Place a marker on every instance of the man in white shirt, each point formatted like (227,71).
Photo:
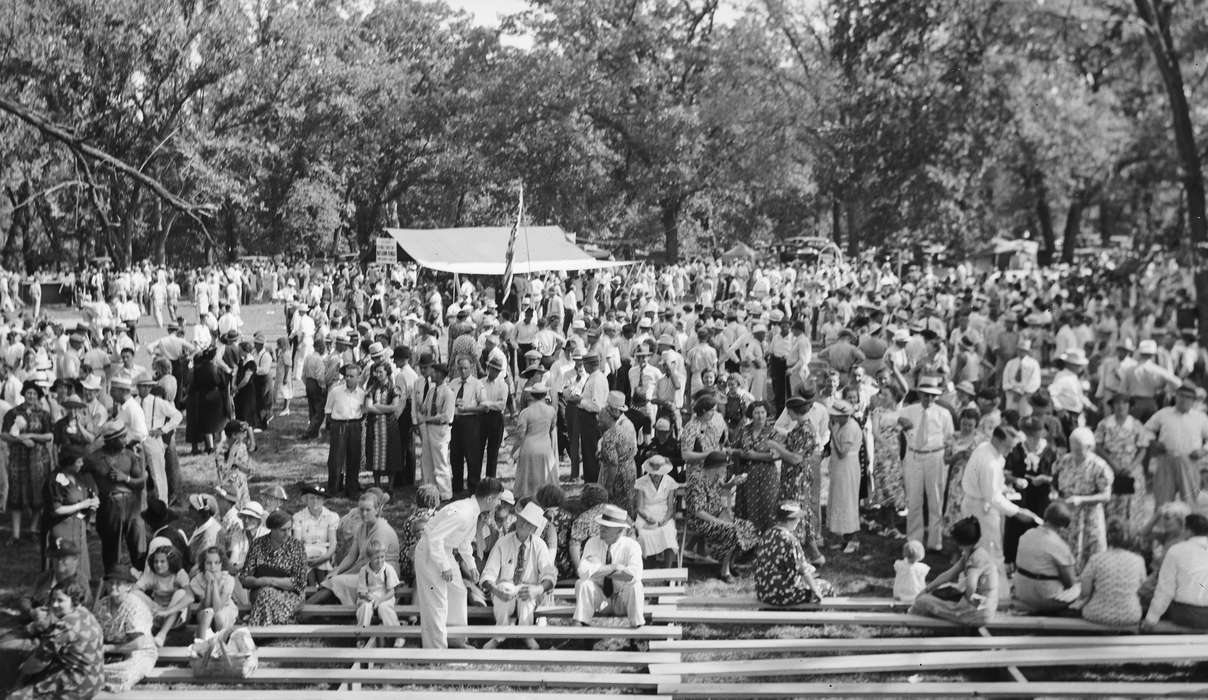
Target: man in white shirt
(465,446)
(1181,595)
(610,572)
(493,395)
(440,592)
(519,572)
(591,402)
(1180,437)
(984,487)
(162,418)
(432,414)
(928,430)
(1068,394)
(1021,378)
(344,410)
(129,412)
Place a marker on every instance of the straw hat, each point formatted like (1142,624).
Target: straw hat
(612,516)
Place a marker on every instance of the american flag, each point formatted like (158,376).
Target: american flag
(511,254)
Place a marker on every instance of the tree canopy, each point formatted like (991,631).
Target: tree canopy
(200,130)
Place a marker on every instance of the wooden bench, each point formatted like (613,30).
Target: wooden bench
(667,577)
(260,694)
(882,619)
(646,632)
(868,645)
(308,656)
(935,690)
(939,661)
(409,676)
(753,603)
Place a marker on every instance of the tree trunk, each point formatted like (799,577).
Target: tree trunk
(670,208)
(18,230)
(1073,227)
(1107,221)
(850,210)
(836,220)
(1156,15)
(1044,217)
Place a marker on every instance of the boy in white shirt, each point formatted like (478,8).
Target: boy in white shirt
(519,572)
(376,582)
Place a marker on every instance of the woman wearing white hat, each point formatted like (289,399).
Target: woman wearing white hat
(653,502)
(617,449)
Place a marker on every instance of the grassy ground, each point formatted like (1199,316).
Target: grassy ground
(283,458)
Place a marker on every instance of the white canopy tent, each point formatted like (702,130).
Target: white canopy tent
(483,250)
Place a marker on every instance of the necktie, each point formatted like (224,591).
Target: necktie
(433,400)
(461,389)
(519,572)
(606,585)
(922,436)
(1019,371)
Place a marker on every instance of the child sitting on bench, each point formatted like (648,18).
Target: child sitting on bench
(376,582)
(519,571)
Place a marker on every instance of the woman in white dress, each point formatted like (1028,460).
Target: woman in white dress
(843,503)
(654,508)
(536,460)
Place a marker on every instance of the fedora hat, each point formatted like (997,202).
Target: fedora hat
(120,382)
(532,514)
(114,432)
(495,363)
(928,385)
(539,388)
(1074,356)
(840,408)
(1147,347)
(144,377)
(74,401)
(612,516)
(252,510)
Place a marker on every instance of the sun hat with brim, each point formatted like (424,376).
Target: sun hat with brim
(1074,356)
(840,408)
(74,401)
(1147,347)
(495,363)
(252,510)
(533,355)
(929,388)
(231,336)
(716,459)
(114,431)
(657,466)
(120,382)
(376,350)
(91,383)
(966,387)
(533,515)
(313,490)
(144,378)
(612,516)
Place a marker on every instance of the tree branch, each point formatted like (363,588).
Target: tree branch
(83,150)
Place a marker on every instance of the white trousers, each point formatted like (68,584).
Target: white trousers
(434,458)
(923,477)
(153,451)
(441,603)
(384,608)
(627,601)
(522,610)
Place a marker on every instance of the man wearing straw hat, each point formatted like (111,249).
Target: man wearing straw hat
(610,572)
(519,572)
(120,479)
(162,418)
(928,430)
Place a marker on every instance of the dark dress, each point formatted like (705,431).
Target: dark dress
(273,606)
(383,443)
(73,648)
(721,538)
(760,495)
(561,521)
(65,489)
(1020,464)
(797,480)
(28,467)
(208,406)
(247,403)
(779,568)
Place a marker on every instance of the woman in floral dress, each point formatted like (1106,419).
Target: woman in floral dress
(593,498)
(888,492)
(127,624)
(796,451)
(1121,440)
(1084,481)
(711,515)
(967,438)
(68,661)
(759,496)
(783,575)
(383,445)
(27,430)
(616,450)
(703,433)
(427,500)
(275,573)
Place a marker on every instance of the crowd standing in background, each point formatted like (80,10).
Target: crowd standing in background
(1050,422)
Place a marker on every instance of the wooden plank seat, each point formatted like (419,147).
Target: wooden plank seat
(432,676)
(753,603)
(649,577)
(938,661)
(561,632)
(305,656)
(936,690)
(678,615)
(262,694)
(868,645)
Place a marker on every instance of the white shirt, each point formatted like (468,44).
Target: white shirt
(983,482)
(160,414)
(452,528)
(595,392)
(1179,433)
(939,429)
(1030,381)
(1183,577)
(539,563)
(345,404)
(626,556)
(1067,393)
(130,413)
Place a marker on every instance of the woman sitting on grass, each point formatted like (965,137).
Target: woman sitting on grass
(967,593)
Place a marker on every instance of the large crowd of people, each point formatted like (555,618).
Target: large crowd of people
(1048,425)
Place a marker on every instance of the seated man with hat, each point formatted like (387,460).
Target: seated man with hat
(610,572)
(519,571)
